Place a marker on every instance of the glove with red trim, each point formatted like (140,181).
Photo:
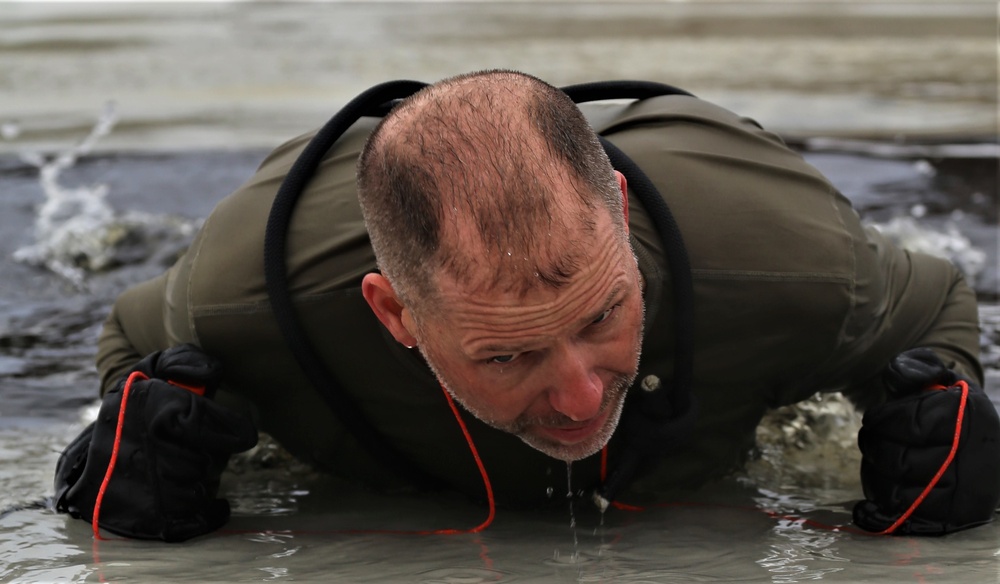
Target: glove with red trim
(173,443)
(906,442)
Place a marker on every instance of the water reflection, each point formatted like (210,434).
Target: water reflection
(800,550)
(270,537)
(266,481)
(797,558)
(275,573)
(576,558)
(274,568)
(34,547)
(461,576)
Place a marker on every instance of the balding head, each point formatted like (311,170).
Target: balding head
(475,178)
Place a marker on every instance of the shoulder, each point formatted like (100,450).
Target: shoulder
(610,116)
(753,213)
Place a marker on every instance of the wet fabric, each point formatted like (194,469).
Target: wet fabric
(792,296)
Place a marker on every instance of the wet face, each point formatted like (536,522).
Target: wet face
(553,366)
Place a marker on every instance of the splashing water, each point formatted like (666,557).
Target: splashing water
(71,224)
(811,444)
(950,243)
(76,229)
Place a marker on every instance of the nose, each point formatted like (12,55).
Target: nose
(577,390)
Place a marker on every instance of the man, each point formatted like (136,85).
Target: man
(497,254)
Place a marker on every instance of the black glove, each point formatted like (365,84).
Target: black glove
(173,447)
(905,441)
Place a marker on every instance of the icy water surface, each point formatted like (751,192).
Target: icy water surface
(896,103)
(240,74)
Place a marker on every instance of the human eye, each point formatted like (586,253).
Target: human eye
(503,359)
(607,314)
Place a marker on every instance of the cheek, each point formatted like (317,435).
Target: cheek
(498,396)
(624,350)
(489,396)
(502,402)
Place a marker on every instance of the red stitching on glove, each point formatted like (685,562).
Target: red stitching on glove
(114,450)
(944,466)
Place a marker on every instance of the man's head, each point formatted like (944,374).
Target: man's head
(500,230)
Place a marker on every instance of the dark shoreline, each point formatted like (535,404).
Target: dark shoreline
(954,182)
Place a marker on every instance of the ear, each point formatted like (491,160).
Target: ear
(389,310)
(623,185)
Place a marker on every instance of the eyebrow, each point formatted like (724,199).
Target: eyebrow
(610,300)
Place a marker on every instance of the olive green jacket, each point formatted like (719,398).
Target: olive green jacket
(792,296)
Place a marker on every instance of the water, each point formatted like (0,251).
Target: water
(895,103)
(248,74)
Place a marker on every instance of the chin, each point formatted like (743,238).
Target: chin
(563,452)
(578,450)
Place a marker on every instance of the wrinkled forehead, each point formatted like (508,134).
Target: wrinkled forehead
(548,255)
(475,310)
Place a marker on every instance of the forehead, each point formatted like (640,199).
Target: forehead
(539,238)
(535,256)
(481,315)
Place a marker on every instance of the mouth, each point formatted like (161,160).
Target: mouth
(576,433)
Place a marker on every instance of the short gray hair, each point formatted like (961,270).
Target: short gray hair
(467,153)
